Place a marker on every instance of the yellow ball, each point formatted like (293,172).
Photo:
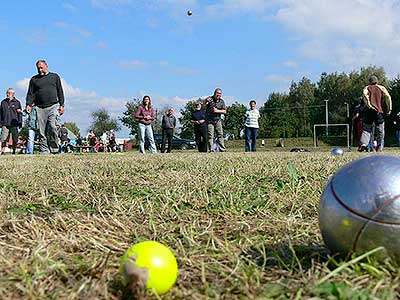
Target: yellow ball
(158,260)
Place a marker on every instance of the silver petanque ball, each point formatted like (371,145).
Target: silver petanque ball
(337,151)
(360,207)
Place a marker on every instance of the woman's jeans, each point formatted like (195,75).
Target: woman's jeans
(250,134)
(145,131)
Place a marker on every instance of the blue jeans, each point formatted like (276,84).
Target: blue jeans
(146,131)
(398,137)
(30,141)
(251,134)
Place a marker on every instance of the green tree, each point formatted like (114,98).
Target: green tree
(185,119)
(301,98)
(73,127)
(128,119)
(102,121)
(277,118)
(234,119)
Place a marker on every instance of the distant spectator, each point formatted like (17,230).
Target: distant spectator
(168,125)
(198,119)
(378,103)
(10,119)
(112,143)
(79,141)
(145,115)
(63,135)
(92,140)
(32,130)
(397,127)
(104,141)
(251,127)
(215,109)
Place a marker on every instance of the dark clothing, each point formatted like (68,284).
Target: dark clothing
(168,125)
(79,141)
(142,112)
(372,116)
(198,115)
(397,120)
(168,122)
(45,91)
(63,134)
(200,133)
(251,135)
(211,117)
(167,134)
(200,130)
(8,113)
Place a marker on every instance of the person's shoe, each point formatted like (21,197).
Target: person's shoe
(363,148)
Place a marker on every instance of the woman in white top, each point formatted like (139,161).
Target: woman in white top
(251,126)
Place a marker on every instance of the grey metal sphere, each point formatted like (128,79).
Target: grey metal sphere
(337,151)
(360,207)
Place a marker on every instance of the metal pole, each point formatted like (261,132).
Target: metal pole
(347,110)
(326,117)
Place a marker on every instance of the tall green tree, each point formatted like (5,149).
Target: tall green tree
(73,127)
(187,130)
(128,119)
(102,121)
(277,118)
(234,119)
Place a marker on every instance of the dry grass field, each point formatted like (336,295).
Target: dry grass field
(242,226)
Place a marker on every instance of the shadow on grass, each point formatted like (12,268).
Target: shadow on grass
(288,257)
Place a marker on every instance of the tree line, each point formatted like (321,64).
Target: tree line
(283,114)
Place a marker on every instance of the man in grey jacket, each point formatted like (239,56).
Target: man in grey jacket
(168,127)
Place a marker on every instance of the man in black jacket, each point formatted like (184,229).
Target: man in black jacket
(10,119)
(45,91)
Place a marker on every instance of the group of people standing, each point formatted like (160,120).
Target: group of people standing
(207,121)
(44,103)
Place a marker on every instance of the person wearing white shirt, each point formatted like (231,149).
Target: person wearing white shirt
(251,127)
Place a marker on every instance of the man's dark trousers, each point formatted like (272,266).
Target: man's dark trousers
(167,134)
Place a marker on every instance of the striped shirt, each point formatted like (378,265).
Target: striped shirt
(252,117)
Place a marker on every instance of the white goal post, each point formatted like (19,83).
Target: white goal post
(332,125)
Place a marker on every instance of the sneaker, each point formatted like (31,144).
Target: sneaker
(363,148)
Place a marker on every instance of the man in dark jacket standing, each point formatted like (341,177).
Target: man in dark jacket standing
(198,119)
(45,91)
(10,119)
(168,127)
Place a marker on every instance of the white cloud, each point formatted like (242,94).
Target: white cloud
(164,65)
(291,64)
(131,64)
(70,7)
(345,33)
(278,78)
(74,28)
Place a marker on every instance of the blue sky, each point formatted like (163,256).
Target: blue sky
(109,51)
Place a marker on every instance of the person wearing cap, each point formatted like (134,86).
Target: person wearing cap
(397,126)
(198,120)
(378,102)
